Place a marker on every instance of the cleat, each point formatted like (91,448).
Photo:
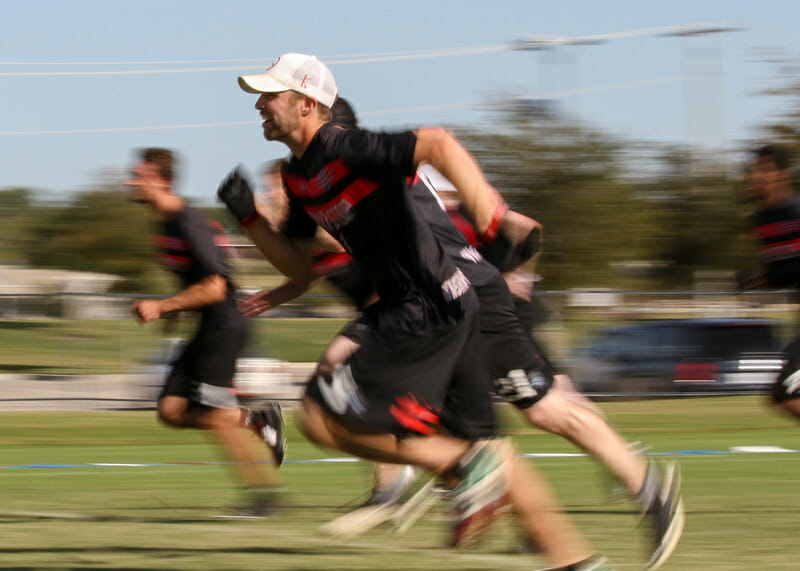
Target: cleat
(267,423)
(482,496)
(380,507)
(661,498)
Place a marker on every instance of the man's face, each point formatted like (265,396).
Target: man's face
(145,182)
(764,180)
(281,113)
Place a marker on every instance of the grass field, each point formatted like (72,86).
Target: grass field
(743,509)
(71,347)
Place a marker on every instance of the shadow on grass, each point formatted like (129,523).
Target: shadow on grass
(23,325)
(176,551)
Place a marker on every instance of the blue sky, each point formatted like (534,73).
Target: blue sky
(72,111)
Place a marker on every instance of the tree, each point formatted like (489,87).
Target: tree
(99,231)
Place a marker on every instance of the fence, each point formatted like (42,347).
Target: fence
(83,351)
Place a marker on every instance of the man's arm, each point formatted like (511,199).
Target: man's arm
(262,301)
(482,201)
(205,292)
(290,257)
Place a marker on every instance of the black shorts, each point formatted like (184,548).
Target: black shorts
(204,371)
(413,384)
(517,367)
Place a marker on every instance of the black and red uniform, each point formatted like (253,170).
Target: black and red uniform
(515,363)
(418,364)
(192,250)
(776,230)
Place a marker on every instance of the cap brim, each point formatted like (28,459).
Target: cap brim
(260,83)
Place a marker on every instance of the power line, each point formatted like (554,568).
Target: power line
(551,95)
(367,58)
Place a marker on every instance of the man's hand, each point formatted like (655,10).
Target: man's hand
(237,194)
(147,310)
(255,304)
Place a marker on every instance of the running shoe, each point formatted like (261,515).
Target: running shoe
(482,496)
(267,423)
(662,504)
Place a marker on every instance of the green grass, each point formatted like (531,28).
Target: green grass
(742,508)
(118,346)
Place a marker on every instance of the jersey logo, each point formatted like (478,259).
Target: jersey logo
(455,286)
(471,254)
(337,213)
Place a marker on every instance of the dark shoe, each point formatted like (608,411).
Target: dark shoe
(267,423)
(662,504)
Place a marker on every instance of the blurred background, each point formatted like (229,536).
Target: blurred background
(623,128)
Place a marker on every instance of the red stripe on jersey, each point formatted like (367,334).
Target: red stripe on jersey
(777,228)
(170,243)
(335,209)
(780,249)
(464,226)
(175,261)
(330,261)
(325,179)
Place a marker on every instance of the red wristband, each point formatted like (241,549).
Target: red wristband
(250,219)
(494,225)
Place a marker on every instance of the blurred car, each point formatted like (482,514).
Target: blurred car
(680,355)
(258,374)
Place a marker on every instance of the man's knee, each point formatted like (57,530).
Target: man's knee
(557,414)
(171,410)
(311,421)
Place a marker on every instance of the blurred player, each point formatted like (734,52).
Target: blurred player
(414,392)
(776,228)
(198,392)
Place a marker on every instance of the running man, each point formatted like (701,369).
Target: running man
(198,392)
(517,365)
(414,392)
(775,226)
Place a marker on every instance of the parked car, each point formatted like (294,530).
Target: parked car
(678,355)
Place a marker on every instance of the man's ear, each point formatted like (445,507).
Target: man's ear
(308,106)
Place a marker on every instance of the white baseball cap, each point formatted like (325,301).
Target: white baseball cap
(297,72)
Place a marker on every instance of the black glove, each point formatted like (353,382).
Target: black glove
(506,256)
(237,194)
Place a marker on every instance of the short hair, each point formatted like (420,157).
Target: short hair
(778,155)
(165,161)
(323,112)
(342,113)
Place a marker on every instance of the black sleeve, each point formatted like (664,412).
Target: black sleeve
(379,156)
(208,258)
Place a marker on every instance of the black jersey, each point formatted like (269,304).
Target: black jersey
(352,184)
(348,276)
(188,247)
(777,231)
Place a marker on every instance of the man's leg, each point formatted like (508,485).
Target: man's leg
(560,415)
(259,480)
(792,406)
